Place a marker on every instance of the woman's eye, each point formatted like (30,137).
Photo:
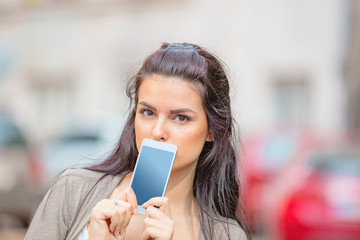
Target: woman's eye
(147,113)
(182,118)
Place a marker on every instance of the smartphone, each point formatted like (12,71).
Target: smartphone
(152,171)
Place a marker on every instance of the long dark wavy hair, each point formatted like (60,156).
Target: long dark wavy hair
(216,186)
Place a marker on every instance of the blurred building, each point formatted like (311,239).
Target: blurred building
(63,64)
(352,70)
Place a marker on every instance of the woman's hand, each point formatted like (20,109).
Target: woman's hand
(158,223)
(110,217)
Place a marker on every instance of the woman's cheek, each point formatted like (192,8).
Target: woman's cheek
(190,147)
(141,132)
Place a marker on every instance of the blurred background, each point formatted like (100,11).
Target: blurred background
(295,76)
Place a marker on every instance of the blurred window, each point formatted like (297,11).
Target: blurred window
(341,163)
(279,150)
(10,134)
(80,138)
(291,99)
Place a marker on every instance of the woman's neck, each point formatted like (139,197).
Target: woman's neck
(180,190)
(183,205)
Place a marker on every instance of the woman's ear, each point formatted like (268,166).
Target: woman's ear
(209,137)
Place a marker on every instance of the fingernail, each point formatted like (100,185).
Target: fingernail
(117,233)
(122,232)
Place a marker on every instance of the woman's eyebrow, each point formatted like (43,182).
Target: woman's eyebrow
(182,110)
(147,105)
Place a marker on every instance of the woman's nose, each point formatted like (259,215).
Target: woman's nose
(159,132)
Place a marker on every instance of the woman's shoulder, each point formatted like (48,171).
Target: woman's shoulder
(80,173)
(226,228)
(84,178)
(71,197)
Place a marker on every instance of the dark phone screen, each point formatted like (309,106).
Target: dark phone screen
(151,173)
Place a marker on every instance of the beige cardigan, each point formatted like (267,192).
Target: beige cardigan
(66,208)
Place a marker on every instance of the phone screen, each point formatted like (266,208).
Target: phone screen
(152,173)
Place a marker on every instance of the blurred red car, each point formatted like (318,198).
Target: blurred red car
(263,157)
(317,196)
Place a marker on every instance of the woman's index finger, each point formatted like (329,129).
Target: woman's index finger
(159,202)
(128,195)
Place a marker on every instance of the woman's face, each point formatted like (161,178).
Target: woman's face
(170,110)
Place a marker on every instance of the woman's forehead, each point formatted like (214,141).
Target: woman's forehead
(177,91)
(172,82)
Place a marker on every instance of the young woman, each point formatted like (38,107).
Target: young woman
(180,96)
